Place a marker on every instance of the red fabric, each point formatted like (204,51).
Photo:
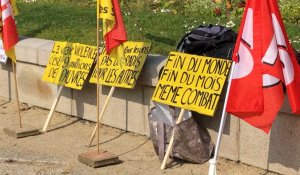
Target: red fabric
(262,66)
(246,95)
(292,68)
(117,35)
(9,30)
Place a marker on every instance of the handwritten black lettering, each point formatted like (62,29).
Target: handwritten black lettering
(200,98)
(168,92)
(133,60)
(194,81)
(194,64)
(187,78)
(73,77)
(216,66)
(144,50)
(85,51)
(106,60)
(53,72)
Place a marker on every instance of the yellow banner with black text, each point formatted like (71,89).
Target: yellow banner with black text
(192,82)
(111,74)
(69,64)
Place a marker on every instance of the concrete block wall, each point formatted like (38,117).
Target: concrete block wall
(128,110)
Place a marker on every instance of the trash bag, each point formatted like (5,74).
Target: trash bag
(192,143)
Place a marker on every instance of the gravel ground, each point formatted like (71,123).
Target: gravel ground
(56,151)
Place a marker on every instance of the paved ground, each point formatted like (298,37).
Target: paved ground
(55,152)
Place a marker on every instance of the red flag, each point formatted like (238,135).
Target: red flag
(291,69)
(115,33)
(262,66)
(9,30)
(113,29)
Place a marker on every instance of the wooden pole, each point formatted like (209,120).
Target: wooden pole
(98,62)
(17,92)
(213,161)
(170,146)
(102,112)
(52,110)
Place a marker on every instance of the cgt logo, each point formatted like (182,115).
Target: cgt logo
(277,47)
(288,67)
(245,59)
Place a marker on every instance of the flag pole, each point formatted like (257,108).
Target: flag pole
(213,161)
(102,113)
(17,92)
(170,146)
(99,157)
(98,44)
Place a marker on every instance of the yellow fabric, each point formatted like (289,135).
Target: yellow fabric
(14,7)
(107,14)
(118,54)
(11,54)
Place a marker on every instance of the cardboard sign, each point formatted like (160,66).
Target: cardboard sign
(192,82)
(111,74)
(3,56)
(69,64)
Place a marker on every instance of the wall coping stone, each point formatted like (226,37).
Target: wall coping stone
(37,51)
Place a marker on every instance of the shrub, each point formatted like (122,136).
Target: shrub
(290,10)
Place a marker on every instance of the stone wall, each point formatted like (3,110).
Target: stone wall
(128,109)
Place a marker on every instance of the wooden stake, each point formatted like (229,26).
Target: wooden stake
(102,112)
(98,62)
(98,121)
(17,92)
(170,146)
(52,110)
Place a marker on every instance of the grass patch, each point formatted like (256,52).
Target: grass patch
(61,22)
(75,21)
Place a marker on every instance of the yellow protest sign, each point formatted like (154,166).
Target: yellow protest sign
(59,57)
(192,82)
(69,64)
(111,74)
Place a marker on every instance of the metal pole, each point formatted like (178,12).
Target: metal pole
(213,161)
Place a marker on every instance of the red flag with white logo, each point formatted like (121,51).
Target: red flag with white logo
(291,69)
(9,30)
(262,67)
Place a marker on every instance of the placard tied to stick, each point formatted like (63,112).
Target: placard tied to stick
(111,74)
(192,82)
(69,64)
